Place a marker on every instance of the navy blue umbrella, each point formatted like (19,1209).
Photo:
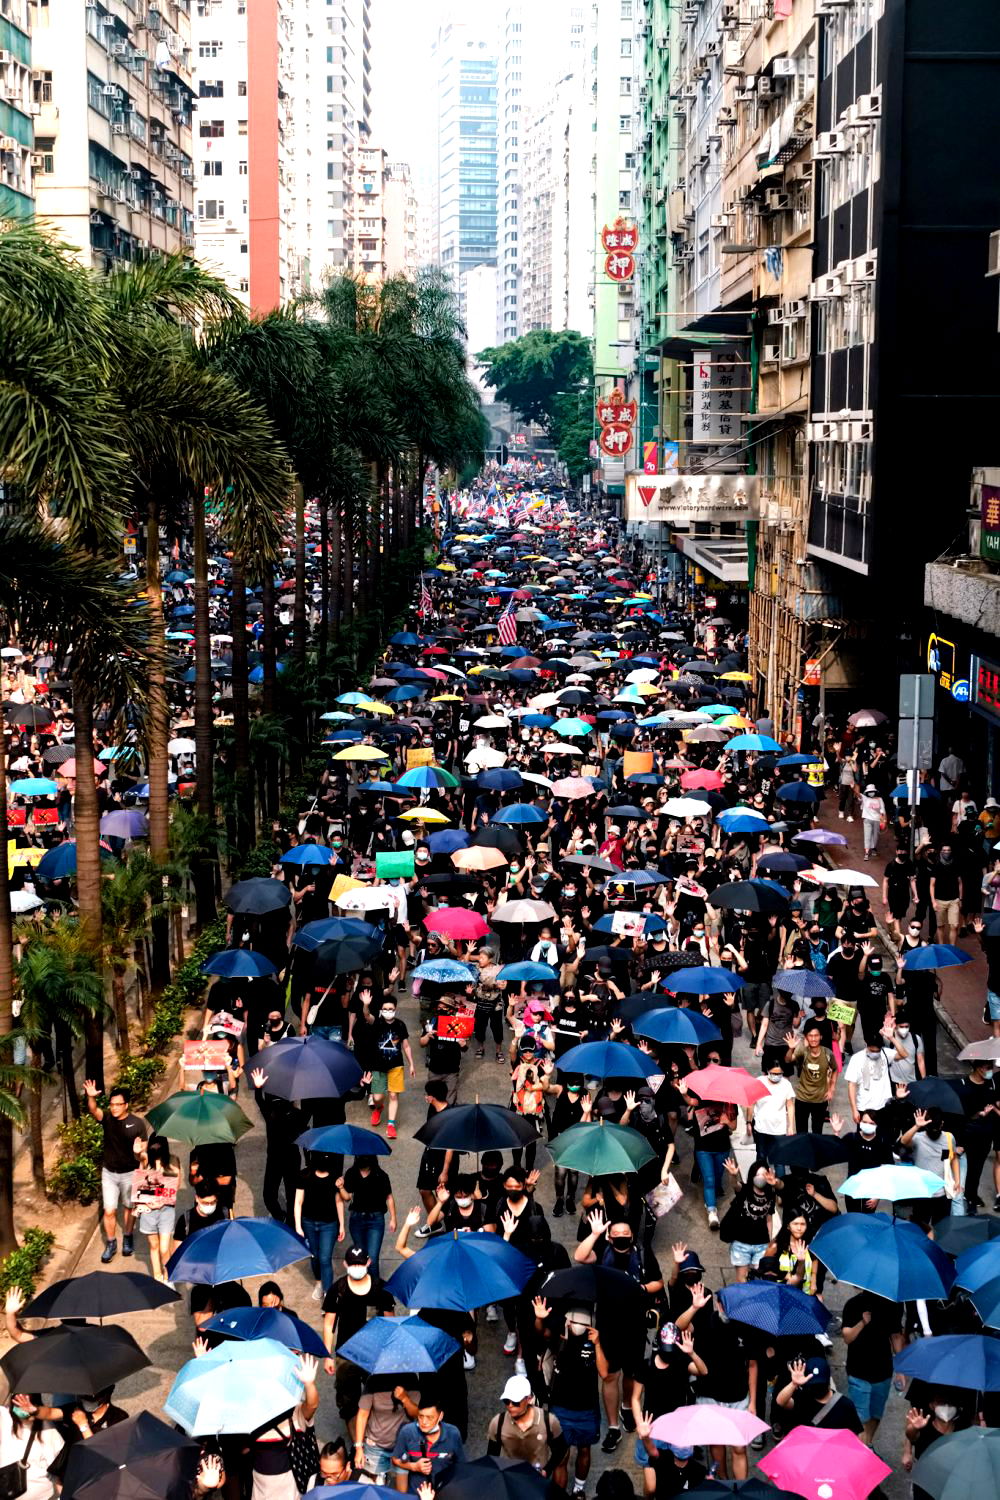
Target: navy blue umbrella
(250,1323)
(525,970)
(608,1060)
(520,813)
(775,1308)
(799,759)
(500,779)
(344,1140)
(670,1024)
(448,841)
(969,1361)
(258,896)
(327,929)
(234,1249)
(808,1150)
(393,1346)
(239,963)
(461,1271)
(890,1257)
(797,791)
(782,864)
(804,982)
(306,1067)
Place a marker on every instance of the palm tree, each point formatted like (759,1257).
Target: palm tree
(129,892)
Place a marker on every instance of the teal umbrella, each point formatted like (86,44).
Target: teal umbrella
(199,1119)
(601,1150)
(238,1387)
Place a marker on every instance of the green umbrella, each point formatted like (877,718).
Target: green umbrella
(199,1119)
(601,1150)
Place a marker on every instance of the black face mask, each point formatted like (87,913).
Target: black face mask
(517,1197)
(622,1247)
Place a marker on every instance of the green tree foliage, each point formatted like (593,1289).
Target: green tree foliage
(548,377)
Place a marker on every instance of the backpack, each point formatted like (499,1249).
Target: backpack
(494,1448)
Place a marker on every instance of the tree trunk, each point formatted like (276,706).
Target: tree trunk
(323,633)
(202,865)
(158,736)
(8,1238)
(35,1127)
(336,570)
(348,533)
(87,820)
(270,682)
(64,1052)
(300,624)
(120,1007)
(242,780)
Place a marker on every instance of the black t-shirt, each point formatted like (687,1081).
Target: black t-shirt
(673,1478)
(947,884)
(442,1055)
(723,1349)
(898,874)
(370,1194)
(568,1028)
(665,1390)
(191,1221)
(319,1201)
(869,1356)
(839,1411)
(575,1382)
(874,991)
(389,1039)
(119,1135)
(352,1308)
(748,1216)
(464,1223)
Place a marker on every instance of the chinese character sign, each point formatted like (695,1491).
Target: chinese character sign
(620,236)
(701,399)
(989,515)
(616,439)
(614,408)
(619,265)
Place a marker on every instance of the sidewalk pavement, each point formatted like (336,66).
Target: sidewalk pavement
(963,989)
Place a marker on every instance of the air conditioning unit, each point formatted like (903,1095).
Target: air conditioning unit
(859,432)
(133,173)
(829,143)
(776,200)
(37,161)
(720,221)
(792,310)
(6,57)
(825,287)
(111,91)
(97,218)
(749,83)
(849,117)
(119,196)
(784,67)
(9,143)
(774,315)
(771,354)
(119,129)
(870,106)
(865,268)
(140,56)
(765,86)
(821,432)
(118,49)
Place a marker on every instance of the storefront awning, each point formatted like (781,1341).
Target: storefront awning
(725,557)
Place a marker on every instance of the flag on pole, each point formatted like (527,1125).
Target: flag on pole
(506,624)
(426,604)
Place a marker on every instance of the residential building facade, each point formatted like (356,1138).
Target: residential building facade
(17,106)
(402,257)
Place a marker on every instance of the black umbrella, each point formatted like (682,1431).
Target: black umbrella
(955,1236)
(29,716)
(79,1361)
(624,810)
(140,1455)
(257,897)
(497,836)
(54,755)
(591,1283)
(934,1093)
(343,956)
(616,955)
(808,1150)
(489,1478)
(100,1294)
(743,1489)
(751,895)
(476,1127)
(591,862)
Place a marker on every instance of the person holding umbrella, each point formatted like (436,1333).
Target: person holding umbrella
(157,1224)
(27,1441)
(275,1451)
(346,1307)
(578,1370)
(872,1331)
(812,1400)
(663,1386)
(123,1132)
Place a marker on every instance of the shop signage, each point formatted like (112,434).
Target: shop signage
(614,408)
(989,517)
(616,439)
(619,241)
(941,660)
(649,464)
(680,498)
(985,684)
(812,675)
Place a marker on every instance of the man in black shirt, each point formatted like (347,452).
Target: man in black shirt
(206,1211)
(443,1052)
(872,1331)
(121,1130)
(899,888)
(675,1470)
(876,994)
(346,1307)
(946,893)
(812,1400)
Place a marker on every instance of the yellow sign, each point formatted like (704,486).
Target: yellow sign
(342,885)
(17,857)
(421,755)
(941,660)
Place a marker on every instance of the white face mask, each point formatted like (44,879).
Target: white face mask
(387,1015)
(867,1129)
(463,1202)
(946,1413)
(357,1273)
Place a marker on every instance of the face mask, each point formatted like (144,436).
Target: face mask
(903,1031)
(205,1209)
(387,1015)
(20,1413)
(946,1413)
(933,1132)
(647,1110)
(866,1129)
(775,1078)
(515,1197)
(463,1202)
(760,1179)
(357,1273)
(622,1247)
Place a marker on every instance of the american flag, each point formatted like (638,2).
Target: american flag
(506,624)
(426,605)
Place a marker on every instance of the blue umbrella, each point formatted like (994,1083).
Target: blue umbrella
(176,575)
(782,864)
(404,638)
(444,971)
(608,1060)
(519,813)
(803,982)
(125,823)
(306,1067)
(645,778)
(895,1182)
(239,963)
(461,1271)
(986,1300)
(234,1249)
(344,1140)
(405,693)
(182,612)
(391,1346)
(976,1267)
(704,980)
(309,854)
(376,788)
(448,841)
(256,675)
(423,777)
(742,821)
(538,721)
(651,922)
(890,1257)
(641,878)
(574,726)
(754,742)
(312,934)
(672,1024)
(901,793)
(935,956)
(352,698)
(237,1387)
(59,862)
(526,970)
(251,1323)
(779,1310)
(969,1361)
(34,786)
(500,779)
(797,791)
(798,759)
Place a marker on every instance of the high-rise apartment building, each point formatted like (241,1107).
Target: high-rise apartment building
(16,108)
(339,113)
(464,66)
(113,99)
(369,254)
(401,216)
(554,211)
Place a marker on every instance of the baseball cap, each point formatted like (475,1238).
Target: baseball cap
(356,1256)
(518,1388)
(668,1335)
(690,1265)
(817,1371)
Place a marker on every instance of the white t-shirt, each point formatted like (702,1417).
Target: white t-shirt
(872,808)
(770,1114)
(44,1451)
(871,1074)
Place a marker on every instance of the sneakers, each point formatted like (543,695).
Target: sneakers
(468,1360)
(626,1419)
(612,1438)
(499,1056)
(376,1115)
(579,1487)
(850,817)
(557,1209)
(480,1051)
(510,1343)
(713,1219)
(571,1205)
(520,1368)
(110,1251)
(317,1292)
(127,1247)
(757,1443)
(425,1231)
(840,816)
(492,1316)
(390,1131)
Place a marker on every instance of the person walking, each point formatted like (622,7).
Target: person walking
(873,817)
(123,1134)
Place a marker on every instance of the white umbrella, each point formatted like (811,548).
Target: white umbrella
(181,747)
(643,674)
(543,701)
(685,807)
(10,651)
(536,780)
(22,902)
(523,911)
(483,758)
(492,721)
(368,898)
(559,748)
(845,877)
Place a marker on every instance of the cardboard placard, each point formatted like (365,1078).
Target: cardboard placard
(395,865)
(341,885)
(636,762)
(456,1028)
(17,857)
(210,1056)
(628,923)
(420,755)
(620,892)
(151,1189)
(223,1020)
(842,1011)
(44,817)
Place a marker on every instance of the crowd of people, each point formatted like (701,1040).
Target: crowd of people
(550,844)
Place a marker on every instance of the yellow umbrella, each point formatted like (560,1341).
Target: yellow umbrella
(642,596)
(447,698)
(734,721)
(426,815)
(447,568)
(736,677)
(474,670)
(646,689)
(361,752)
(371,707)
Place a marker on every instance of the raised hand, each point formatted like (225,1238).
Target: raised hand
(685,1340)
(731,1166)
(90,1088)
(541,1307)
(598,1223)
(425,1491)
(307,1368)
(442,1194)
(797,1370)
(699,1296)
(508,1223)
(920,1118)
(200,1347)
(791,1040)
(258,1078)
(14,1300)
(413,1217)
(917,1418)
(643,1426)
(211,1474)
(533,1178)
(679,1250)
(631,1100)
(837,1123)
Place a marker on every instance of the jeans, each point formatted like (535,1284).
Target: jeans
(809,1116)
(367,1231)
(321,1237)
(710,1163)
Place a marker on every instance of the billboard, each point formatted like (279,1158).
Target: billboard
(680,498)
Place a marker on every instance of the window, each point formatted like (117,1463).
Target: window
(243,168)
(626,10)
(625,200)
(214,128)
(625,84)
(211,208)
(241,127)
(209,49)
(210,88)
(624,125)
(212,169)
(241,88)
(244,247)
(794,339)
(626,46)
(629,161)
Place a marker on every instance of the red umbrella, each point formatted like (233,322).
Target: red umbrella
(728,1085)
(824,1463)
(456,922)
(709,781)
(433,651)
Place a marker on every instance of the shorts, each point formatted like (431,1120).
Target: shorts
(754,996)
(158,1220)
(869,1399)
(742,1254)
(642,1457)
(377,1461)
(581,1429)
(394,1081)
(742,1405)
(993,1001)
(116,1187)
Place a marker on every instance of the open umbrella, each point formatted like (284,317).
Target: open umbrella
(100,1294)
(476,1127)
(808,1150)
(306,1067)
(257,897)
(825,1462)
(600,1150)
(520,813)
(803,982)
(890,1257)
(893,1183)
(763,896)
(444,971)
(141,1451)
(326,929)
(593,1283)
(935,956)
(960,1464)
(670,1024)
(523,911)
(608,1060)
(199,1119)
(775,1308)
(727,1085)
(238,1387)
(239,963)
(125,823)
(527,972)
(479,858)
(78,1360)
(344,956)
(457,922)
(233,1249)
(490,1478)
(693,1426)
(393,1346)
(250,1323)
(704,980)
(461,1272)
(343,1140)
(969,1361)
(956,1235)
(977,1266)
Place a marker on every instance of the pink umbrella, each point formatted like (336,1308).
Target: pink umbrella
(824,1463)
(68,768)
(456,922)
(729,1085)
(572,786)
(709,781)
(691,1426)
